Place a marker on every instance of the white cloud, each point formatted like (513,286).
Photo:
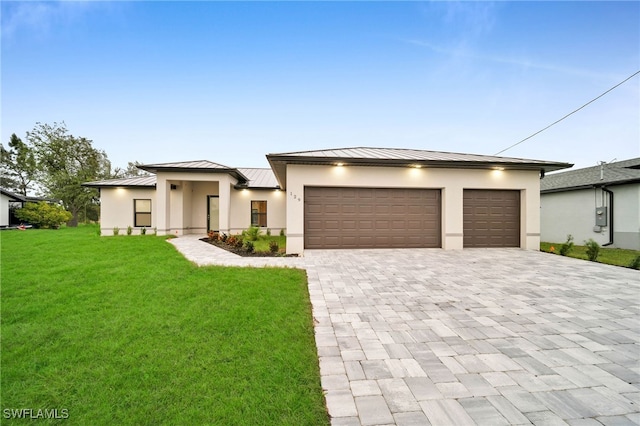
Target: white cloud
(38,18)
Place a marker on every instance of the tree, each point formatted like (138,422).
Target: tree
(19,168)
(132,170)
(65,162)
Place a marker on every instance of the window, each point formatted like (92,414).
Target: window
(259,213)
(142,213)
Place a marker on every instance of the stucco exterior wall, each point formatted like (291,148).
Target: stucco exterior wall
(626,226)
(4,210)
(241,209)
(116,208)
(451,182)
(573,212)
(186,209)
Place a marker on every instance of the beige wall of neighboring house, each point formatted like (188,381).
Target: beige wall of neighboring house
(452,183)
(4,210)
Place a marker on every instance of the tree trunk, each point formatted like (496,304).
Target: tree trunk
(73,223)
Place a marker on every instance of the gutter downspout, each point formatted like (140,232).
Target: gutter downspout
(610,216)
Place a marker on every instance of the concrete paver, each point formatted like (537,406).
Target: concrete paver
(477,336)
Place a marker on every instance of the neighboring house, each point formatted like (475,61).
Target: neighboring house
(600,202)
(10,201)
(341,198)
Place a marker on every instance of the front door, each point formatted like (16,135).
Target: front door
(213,213)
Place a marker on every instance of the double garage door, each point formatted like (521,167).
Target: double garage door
(399,218)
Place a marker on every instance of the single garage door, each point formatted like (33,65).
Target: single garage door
(371,218)
(491,218)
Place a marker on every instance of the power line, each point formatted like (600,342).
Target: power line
(571,113)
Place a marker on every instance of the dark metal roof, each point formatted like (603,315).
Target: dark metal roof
(26,198)
(397,157)
(137,182)
(254,178)
(259,178)
(193,166)
(620,172)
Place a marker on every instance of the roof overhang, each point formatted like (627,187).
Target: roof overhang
(279,164)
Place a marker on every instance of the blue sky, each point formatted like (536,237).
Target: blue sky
(233,81)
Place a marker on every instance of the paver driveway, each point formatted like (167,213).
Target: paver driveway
(480,336)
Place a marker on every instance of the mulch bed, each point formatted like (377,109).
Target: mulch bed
(240,251)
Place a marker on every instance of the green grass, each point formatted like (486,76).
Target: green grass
(124,330)
(610,256)
(262,243)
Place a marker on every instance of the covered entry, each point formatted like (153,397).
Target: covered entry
(342,217)
(491,218)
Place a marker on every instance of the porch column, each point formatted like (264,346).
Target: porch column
(224,194)
(162,205)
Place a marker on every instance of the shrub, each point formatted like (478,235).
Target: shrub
(249,247)
(116,230)
(593,249)
(268,232)
(273,246)
(635,263)
(282,232)
(43,215)
(567,246)
(239,241)
(222,237)
(231,240)
(129,230)
(212,235)
(251,233)
(143,231)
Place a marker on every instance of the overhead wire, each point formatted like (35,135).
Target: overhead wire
(571,113)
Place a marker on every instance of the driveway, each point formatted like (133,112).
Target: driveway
(479,336)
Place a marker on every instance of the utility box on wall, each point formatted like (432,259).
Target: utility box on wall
(601,216)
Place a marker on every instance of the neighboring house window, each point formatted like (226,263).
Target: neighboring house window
(259,213)
(142,213)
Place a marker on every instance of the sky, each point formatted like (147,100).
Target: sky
(231,82)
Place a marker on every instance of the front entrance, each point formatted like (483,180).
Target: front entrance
(213,213)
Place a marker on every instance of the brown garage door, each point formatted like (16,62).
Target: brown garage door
(371,218)
(491,218)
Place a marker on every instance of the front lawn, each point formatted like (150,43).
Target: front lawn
(610,256)
(124,330)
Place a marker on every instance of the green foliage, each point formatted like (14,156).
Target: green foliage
(249,247)
(239,241)
(635,263)
(129,230)
(17,166)
(116,230)
(567,246)
(143,231)
(282,232)
(65,162)
(593,249)
(43,215)
(268,232)
(273,246)
(252,233)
